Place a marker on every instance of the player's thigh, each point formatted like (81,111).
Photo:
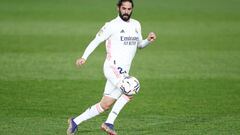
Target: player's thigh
(111,90)
(113,73)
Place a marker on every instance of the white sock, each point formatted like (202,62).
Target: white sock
(120,103)
(89,113)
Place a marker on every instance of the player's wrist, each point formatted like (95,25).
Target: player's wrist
(147,41)
(84,59)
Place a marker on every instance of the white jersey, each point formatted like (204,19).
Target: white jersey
(122,40)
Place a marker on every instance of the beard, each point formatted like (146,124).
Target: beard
(125,17)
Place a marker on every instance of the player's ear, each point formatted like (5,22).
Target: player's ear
(118,8)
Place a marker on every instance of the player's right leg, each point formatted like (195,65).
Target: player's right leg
(91,112)
(72,128)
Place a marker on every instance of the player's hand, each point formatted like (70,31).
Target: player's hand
(151,36)
(80,62)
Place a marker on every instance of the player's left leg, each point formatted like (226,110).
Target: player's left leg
(114,77)
(117,107)
(112,92)
(108,126)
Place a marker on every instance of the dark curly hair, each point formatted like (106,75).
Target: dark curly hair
(119,4)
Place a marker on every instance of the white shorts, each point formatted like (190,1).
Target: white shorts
(114,74)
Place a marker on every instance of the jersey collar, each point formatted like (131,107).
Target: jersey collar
(120,19)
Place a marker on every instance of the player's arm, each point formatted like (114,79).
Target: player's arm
(150,38)
(80,61)
(102,35)
(91,47)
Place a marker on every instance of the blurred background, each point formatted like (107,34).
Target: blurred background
(190,77)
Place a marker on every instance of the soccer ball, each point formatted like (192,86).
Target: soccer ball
(130,85)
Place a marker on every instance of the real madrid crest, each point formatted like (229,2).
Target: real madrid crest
(136,30)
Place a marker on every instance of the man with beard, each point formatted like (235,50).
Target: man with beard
(123,37)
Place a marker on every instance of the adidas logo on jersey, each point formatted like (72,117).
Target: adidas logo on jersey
(122,31)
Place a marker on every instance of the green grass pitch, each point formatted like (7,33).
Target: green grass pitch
(190,77)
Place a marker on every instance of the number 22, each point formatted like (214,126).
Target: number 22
(121,70)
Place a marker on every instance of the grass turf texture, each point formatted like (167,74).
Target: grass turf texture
(190,77)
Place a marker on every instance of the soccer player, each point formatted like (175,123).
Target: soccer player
(123,37)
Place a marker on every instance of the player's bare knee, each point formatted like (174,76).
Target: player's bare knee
(105,106)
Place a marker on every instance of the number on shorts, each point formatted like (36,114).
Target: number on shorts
(121,70)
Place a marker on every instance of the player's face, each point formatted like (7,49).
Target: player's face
(125,11)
